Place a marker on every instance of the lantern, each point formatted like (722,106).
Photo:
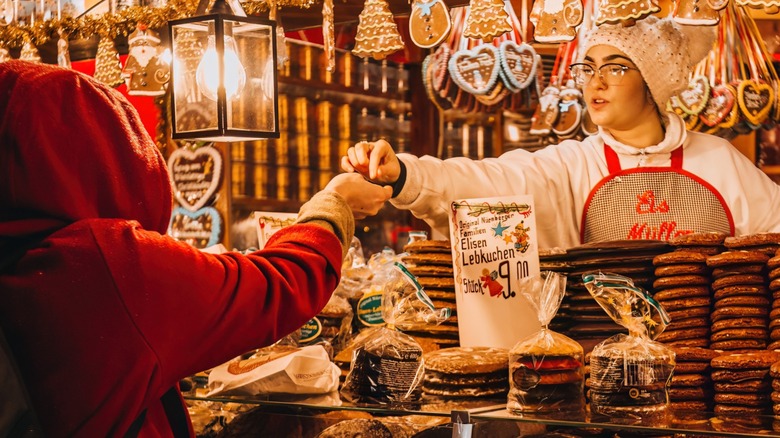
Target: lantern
(223,75)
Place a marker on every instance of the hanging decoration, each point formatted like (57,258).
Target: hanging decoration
(329,35)
(145,72)
(429,23)
(63,54)
(487,19)
(696,12)
(377,34)
(108,69)
(556,21)
(625,12)
(770,7)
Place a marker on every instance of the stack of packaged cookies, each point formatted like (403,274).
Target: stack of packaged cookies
(466,372)
(743,386)
(431,262)
(741,300)
(691,386)
(682,287)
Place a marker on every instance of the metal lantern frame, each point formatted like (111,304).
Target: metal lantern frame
(223,20)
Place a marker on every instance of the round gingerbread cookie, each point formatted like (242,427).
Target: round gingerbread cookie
(739,333)
(680,281)
(691,367)
(738,410)
(689,323)
(736,376)
(732,323)
(694,354)
(775,397)
(426,246)
(357,427)
(748,240)
(774,273)
(688,393)
(688,405)
(736,258)
(774,335)
(467,360)
(698,343)
(756,399)
(430,271)
(750,386)
(676,293)
(743,361)
(679,380)
(774,262)
(774,370)
(681,269)
(442,259)
(685,303)
(738,280)
(740,290)
(774,284)
(737,269)
(689,313)
(699,239)
(739,345)
(439,283)
(774,346)
(774,314)
(679,257)
(742,300)
(687,333)
(737,312)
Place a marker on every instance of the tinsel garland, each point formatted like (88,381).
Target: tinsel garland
(118,24)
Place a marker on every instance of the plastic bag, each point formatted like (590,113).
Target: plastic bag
(546,369)
(629,373)
(387,365)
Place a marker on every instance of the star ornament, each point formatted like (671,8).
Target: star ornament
(499,230)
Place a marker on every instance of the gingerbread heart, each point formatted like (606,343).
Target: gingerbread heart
(518,64)
(693,99)
(755,100)
(195,175)
(429,23)
(201,228)
(475,70)
(440,60)
(718,106)
(732,117)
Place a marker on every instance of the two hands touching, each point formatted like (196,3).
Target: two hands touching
(371,167)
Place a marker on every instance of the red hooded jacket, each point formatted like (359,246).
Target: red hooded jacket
(106,313)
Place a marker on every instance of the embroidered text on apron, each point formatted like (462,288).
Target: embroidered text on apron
(652,203)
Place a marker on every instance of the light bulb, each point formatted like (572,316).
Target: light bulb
(207,74)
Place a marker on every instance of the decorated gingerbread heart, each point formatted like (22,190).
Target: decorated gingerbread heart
(755,100)
(732,117)
(429,23)
(475,70)
(201,228)
(518,64)
(718,106)
(693,99)
(195,175)
(440,63)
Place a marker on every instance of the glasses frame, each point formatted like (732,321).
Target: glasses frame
(601,76)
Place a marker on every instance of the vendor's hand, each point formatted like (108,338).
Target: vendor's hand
(374,160)
(364,198)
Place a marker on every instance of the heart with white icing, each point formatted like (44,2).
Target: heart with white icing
(195,175)
(201,228)
(518,64)
(475,70)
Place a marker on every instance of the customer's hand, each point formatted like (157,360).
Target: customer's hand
(374,160)
(364,198)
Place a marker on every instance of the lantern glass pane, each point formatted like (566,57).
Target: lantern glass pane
(194,110)
(254,107)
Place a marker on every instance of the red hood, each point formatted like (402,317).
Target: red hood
(72,149)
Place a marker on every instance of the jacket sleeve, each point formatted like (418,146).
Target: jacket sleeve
(198,310)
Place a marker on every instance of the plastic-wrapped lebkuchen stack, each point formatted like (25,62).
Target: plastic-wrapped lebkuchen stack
(431,262)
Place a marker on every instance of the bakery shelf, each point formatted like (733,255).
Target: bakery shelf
(480,410)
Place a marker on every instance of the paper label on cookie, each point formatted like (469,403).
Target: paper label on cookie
(494,247)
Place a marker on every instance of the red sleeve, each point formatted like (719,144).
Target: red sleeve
(199,310)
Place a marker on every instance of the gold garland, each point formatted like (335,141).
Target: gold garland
(118,24)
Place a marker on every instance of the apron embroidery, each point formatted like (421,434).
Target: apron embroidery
(656,203)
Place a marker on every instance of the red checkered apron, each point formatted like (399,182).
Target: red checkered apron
(656,203)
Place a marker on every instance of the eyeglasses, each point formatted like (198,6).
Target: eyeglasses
(610,74)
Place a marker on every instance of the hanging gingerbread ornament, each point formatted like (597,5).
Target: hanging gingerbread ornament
(429,23)
(63,54)
(569,111)
(696,12)
(108,69)
(145,73)
(626,12)
(377,34)
(487,19)
(546,113)
(769,7)
(556,21)
(328,35)
(29,52)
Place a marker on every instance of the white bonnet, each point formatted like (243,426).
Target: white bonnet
(665,52)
